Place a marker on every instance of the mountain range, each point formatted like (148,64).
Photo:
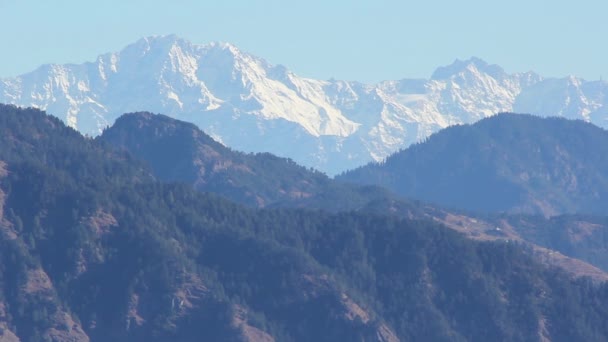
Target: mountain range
(250,105)
(177,151)
(94,247)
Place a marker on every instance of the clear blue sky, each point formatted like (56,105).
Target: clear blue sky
(353,40)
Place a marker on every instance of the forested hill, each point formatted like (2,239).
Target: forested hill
(177,151)
(506,163)
(93,249)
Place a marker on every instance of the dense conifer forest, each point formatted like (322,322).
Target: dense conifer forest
(511,163)
(94,246)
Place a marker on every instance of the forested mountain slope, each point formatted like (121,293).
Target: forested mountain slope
(94,249)
(507,163)
(179,151)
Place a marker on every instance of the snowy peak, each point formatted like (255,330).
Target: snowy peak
(155,44)
(569,97)
(472,65)
(252,105)
(156,54)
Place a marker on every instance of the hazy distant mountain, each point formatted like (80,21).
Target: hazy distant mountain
(510,162)
(253,106)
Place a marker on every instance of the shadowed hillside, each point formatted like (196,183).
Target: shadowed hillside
(507,163)
(92,248)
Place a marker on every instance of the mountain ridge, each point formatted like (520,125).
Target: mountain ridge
(93,248)
(507,163)
(252,105)
(179,151)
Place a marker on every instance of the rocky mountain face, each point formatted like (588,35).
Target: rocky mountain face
(507,163)
(251,105)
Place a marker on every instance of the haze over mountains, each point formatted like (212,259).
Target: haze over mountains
(251,105)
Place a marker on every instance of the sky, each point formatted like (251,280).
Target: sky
(367,41)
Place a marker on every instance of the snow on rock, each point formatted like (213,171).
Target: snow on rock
(254,106)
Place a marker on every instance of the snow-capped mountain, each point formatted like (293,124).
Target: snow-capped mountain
(251,105)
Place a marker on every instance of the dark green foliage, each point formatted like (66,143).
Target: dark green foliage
(132,259)
(506,163)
